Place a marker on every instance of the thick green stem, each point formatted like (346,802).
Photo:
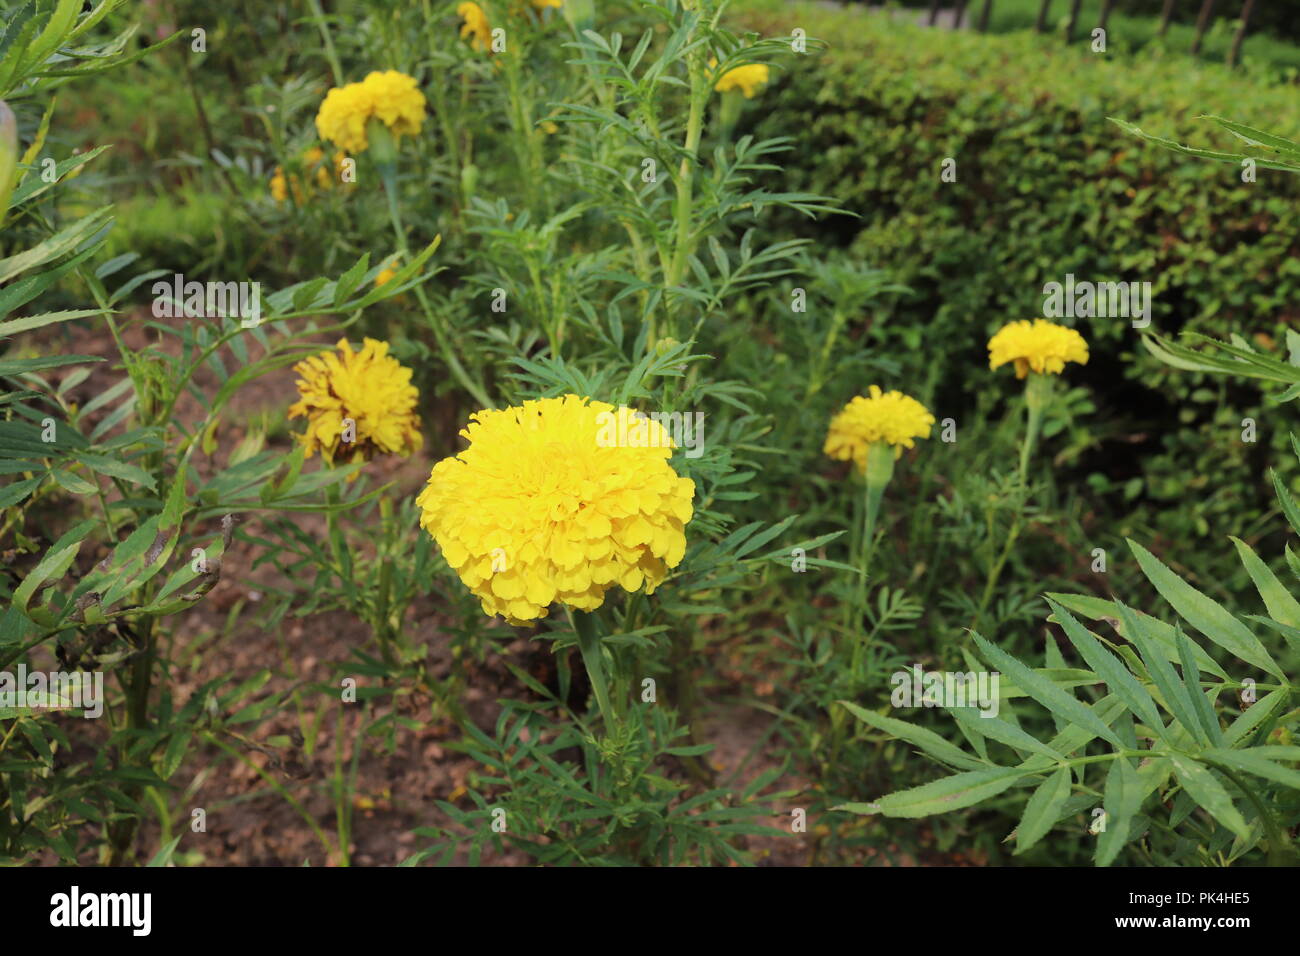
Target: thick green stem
(879,471)
(140,683)
(1277,847)
(686,173)
(383,627)
(585,626)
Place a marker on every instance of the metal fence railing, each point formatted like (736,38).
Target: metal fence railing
(954,14)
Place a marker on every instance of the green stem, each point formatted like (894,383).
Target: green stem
(382,626)
(585,626)
(686,174)
(1272,832)
(1038,392)
(388,174)
(140,680)
(880,469)
(330,55)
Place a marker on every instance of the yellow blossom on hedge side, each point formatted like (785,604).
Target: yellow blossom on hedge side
(1038,346)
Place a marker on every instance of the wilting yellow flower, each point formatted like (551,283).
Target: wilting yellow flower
(476,27)
(1038,346)
(358,404)
(313,161)
(747,79)
(386,274)
(389,96)
(559,499)
(891,418)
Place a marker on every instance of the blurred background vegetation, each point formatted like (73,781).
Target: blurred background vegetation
(916,275)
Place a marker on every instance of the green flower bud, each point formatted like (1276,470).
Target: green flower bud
(383,147)
(468,181)
(880,465)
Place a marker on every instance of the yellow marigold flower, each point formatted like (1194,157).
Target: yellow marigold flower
(389,96)
(476,27)
(889,417)
(543,4)
(543,506)
(1038,346)
(386,274)
(747,79)
(368,389)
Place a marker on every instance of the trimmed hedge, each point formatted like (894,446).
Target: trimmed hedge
(1046,186)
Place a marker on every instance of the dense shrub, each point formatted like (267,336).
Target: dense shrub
(1047,186)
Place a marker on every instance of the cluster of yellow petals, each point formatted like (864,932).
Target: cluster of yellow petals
(371,389)
(318,172)
(890,417)
(543,507)
(1038,346)
(389,96)
(748,79)
(476,28)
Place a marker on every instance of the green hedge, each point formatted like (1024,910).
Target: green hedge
(1135,23)
(1046,186)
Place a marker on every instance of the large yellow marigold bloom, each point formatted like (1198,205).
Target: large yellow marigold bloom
(476,28)
(368,388)
(1038,346)
(389,96)
(891,418)
(542,507)
(748,79)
